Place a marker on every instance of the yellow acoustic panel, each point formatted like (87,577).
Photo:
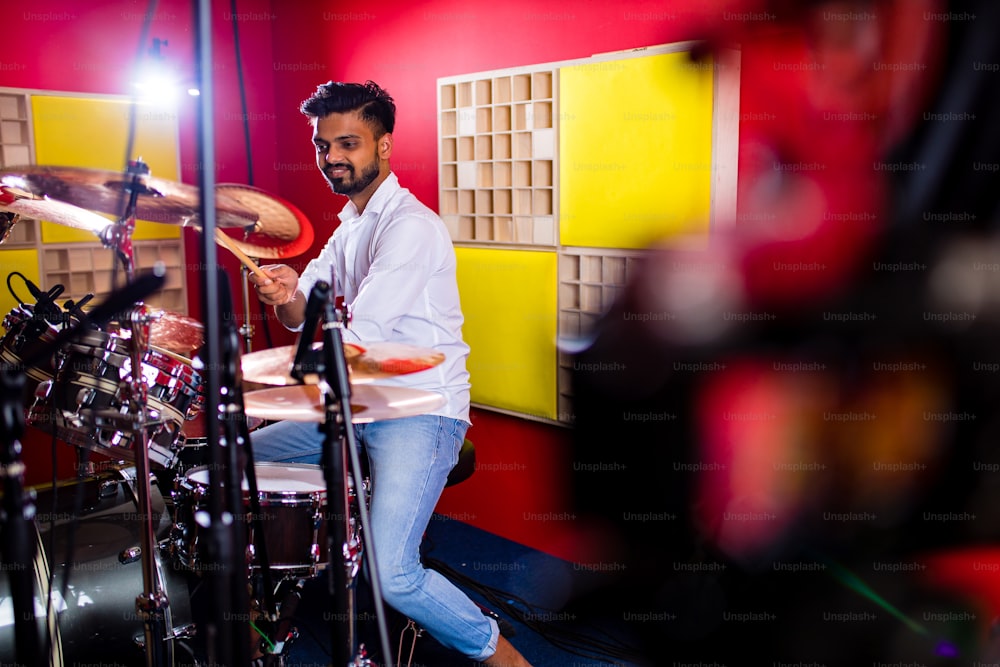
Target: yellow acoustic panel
(24,261)
(509,302)
(93,133)
(635,150)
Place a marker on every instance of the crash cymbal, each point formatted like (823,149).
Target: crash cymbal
(23,203)
(158,200)
(366,363)
(369,403)
(281,230)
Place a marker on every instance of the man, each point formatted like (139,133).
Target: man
(393,263)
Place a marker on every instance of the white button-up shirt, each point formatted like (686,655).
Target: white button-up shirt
(394,266)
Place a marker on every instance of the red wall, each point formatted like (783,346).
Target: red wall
(520,488)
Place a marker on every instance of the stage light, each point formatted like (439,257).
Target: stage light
(157,81)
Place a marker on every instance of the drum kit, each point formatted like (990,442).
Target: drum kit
(124,380)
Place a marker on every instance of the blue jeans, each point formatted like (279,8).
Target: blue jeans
(410,460)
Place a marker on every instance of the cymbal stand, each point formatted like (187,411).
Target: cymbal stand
(339,443)
(246,329)
(118,235)
(152,604)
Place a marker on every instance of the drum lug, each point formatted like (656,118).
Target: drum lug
(85,396)
(186,631)
(108,488)
(43,389)
(130,555)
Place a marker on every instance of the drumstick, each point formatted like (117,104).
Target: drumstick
(227,243)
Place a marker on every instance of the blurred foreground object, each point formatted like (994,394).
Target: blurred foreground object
(782,433)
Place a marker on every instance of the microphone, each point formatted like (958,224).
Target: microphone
(75,308)
(45,304)
(116,302)
(305,362)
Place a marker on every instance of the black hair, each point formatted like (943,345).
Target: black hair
(374,104)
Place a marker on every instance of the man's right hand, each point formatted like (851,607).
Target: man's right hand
(280,290)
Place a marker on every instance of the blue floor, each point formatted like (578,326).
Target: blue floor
(528,590)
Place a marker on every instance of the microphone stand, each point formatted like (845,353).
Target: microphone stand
(339,443)
(16,523)
(152,604)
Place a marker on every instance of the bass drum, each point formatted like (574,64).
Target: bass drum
(92,616)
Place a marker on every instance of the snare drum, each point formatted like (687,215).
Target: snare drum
(97,618)
(292,506)
(87,404)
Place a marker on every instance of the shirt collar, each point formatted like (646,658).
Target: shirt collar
(380,198)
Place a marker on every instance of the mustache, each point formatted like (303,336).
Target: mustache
(340,165)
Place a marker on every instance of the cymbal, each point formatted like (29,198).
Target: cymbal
(169,332)
(177,333)
(281,230)
(369,403)
(23,203)
(366,363)
(159,200)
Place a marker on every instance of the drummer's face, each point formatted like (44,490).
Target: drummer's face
(348,154)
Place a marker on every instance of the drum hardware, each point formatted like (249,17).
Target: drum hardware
(85,401)
(19,536)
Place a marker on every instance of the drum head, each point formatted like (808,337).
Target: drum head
(282,478)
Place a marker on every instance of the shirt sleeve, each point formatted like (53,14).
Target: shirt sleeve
(319,268)
(405,253)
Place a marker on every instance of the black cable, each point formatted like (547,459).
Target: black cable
(241,83)
(243,91)
(10,288)
(134,103)
(584,645)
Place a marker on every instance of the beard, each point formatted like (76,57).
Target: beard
(353,183)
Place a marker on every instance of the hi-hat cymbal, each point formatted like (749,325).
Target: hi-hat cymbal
(158,200)
(23,203)
(281,230)
(369,403)
(366,362)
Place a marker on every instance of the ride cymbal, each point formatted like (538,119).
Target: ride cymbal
(157,200)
